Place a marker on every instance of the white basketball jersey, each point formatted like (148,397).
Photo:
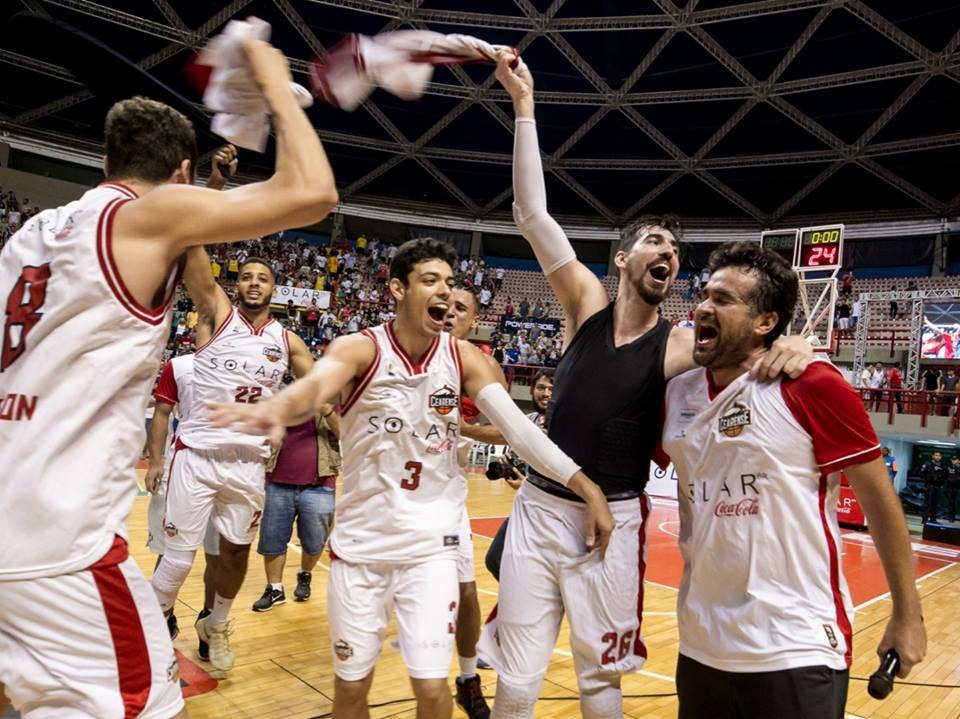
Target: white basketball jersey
(757,475)
(79,357)
(183,375)
(403,492)
(240,363)
(176,386)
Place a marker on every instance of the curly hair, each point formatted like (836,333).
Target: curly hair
(147,140)
(413,252)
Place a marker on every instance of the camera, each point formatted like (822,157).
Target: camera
(506,465)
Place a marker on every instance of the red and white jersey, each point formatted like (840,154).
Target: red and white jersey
(758,478)
(175,386)
(79,356)
(403,492)
(240,363)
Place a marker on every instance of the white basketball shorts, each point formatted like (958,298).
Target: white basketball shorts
(223,484)
(546,571)
(156,538)
(466,572)
(91,645)
(425,597)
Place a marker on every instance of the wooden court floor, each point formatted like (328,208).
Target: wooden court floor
(284,670)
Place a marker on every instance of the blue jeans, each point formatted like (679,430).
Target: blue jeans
(310,505)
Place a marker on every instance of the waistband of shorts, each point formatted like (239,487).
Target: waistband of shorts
(233,452)
(620,510)
(558,490)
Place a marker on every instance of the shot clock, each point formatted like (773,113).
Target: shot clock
(821,248)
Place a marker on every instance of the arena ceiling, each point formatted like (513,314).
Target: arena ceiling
(757,114)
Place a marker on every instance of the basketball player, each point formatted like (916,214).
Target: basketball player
(175,390)
(242,355)
(460,321)
(399,518)
(764,611)
(86,290)
(605,412)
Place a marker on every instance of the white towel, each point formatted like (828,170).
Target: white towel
(400,62)
(242,113)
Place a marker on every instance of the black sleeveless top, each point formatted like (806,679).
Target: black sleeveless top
(605,412)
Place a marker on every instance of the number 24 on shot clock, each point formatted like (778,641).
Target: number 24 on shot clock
(821,247)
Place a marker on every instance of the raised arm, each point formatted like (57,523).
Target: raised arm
(580,292)
(147,235)
(301,190)
(532,445)
(208,297)
(328,382)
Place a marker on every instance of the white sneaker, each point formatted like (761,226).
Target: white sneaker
(222,658)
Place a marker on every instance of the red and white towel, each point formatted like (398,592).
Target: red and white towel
(400,62)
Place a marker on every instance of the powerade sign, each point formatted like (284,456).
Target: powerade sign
(512,324)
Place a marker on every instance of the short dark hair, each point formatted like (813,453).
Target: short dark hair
(632,232)
(147,140)
(544,373)
(472,291)
(257,261)
(413,252)
(776,287)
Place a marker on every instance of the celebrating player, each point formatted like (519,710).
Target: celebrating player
(398,521)
(605,412)
(87,288)
(764,611)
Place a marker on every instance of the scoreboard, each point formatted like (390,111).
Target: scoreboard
(783,242)
(821,248)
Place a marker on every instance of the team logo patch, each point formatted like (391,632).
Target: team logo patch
(170,529)
(831,637)
(734,420)
(343,650)
(451,540)
(273,353)
(444,400)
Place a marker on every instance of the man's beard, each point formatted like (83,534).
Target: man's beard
(253,306)
(651,297)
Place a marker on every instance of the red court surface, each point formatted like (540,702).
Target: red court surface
(861,563)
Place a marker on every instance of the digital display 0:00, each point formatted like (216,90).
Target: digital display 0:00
(820,248)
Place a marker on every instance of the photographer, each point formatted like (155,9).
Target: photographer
(510,467)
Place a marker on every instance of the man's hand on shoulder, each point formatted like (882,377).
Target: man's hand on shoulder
(788,356)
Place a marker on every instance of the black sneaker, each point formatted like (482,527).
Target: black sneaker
(172,626)
(203,649)
(470,698)
(270,597)
(302,592)
(482,664)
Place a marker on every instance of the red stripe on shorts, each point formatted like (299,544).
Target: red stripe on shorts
(639,647)
(126,630)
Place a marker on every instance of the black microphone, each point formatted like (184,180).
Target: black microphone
(881,681)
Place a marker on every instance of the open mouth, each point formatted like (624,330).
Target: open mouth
(438,313)
(661,272)
(706,334)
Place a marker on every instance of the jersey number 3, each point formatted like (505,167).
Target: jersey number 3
(23,311)
(413,481)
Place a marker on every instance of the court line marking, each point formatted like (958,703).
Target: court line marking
(886,595)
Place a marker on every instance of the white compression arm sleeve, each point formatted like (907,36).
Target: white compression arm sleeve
(546,237)
(524,436)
